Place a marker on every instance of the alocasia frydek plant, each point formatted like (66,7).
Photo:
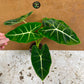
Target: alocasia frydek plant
(50,28)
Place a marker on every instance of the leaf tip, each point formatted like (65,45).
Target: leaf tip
(79,41)
(5,35)
(5,23)
(42,79)
(30,13)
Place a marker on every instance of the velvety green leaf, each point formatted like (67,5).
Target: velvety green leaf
(25,33)
(58,31)
(17,20)
(41,61)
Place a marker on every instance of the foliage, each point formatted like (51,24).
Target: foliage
(53,29)
(17,20)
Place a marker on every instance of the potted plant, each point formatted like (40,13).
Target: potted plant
(50,28)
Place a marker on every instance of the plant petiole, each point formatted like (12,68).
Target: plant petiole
(38,42)
(24,21)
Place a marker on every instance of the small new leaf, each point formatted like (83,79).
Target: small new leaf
(25,33)
(17,20)
(58,31)
(41,61)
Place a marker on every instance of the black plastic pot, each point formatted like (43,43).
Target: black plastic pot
(30,48)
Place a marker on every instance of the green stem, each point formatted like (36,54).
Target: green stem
(38,42)
(24,21)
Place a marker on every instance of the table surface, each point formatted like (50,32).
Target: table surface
(67,68)
(70,11)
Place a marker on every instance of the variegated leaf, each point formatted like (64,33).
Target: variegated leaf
(25,33)
(41,60)
(17,20)
(58,31)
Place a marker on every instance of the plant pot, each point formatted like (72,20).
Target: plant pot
(30,48)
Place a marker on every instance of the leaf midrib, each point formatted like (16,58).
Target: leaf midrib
(41,65)
(40,55)
(28,32)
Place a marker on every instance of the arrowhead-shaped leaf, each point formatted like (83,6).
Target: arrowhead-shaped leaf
(17,20)
(25,33)
(41,61)
(58,31)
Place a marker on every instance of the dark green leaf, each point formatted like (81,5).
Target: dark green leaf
(25,33)
(17,20)
(41,61)
(58,31)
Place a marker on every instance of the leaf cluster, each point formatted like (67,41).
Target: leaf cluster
(56,30)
